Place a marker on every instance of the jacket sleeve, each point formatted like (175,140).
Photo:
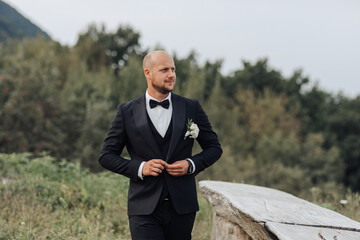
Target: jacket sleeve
(113,146)
(208,140)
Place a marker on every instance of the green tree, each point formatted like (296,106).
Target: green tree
(100,48)
(30,114)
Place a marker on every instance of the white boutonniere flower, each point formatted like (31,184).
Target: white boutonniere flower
(192,130)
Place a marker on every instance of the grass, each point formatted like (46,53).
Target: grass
(41,199)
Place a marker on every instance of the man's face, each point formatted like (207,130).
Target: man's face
(161,74)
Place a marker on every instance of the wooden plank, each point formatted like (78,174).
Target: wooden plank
(296,232)
(266,204)
(260,212)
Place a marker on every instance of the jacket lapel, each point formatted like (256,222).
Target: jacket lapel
(178,123)
(141,122)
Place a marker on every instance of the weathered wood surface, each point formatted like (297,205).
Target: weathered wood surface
(284,231)
(244,211)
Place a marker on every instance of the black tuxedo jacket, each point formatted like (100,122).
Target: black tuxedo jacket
(131,128)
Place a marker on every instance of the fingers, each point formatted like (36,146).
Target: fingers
(178,168)
(174,166)
(176,173)
(153,167)
(158,161)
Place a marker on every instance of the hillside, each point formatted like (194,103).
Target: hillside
(13,25)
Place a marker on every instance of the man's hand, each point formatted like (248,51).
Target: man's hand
(178,168)
(153,167)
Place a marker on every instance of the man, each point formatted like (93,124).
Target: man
(158,130)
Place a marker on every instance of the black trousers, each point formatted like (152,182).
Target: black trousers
(163,224)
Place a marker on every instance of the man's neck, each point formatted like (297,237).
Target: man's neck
(158,96)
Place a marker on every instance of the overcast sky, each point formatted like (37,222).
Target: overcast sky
(320,36)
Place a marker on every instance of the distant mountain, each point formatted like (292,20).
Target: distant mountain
(13,25)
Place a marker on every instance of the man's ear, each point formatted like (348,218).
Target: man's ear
(146,72)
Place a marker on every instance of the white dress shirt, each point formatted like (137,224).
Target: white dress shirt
(160,118)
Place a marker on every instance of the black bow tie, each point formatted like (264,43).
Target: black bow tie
(164,104)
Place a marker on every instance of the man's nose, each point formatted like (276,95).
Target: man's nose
(171,74)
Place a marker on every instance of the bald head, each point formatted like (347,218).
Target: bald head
(149,58)
(159,70)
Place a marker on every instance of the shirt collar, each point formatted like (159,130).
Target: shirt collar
(148,97)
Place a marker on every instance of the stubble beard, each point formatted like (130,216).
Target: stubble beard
(162,89)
